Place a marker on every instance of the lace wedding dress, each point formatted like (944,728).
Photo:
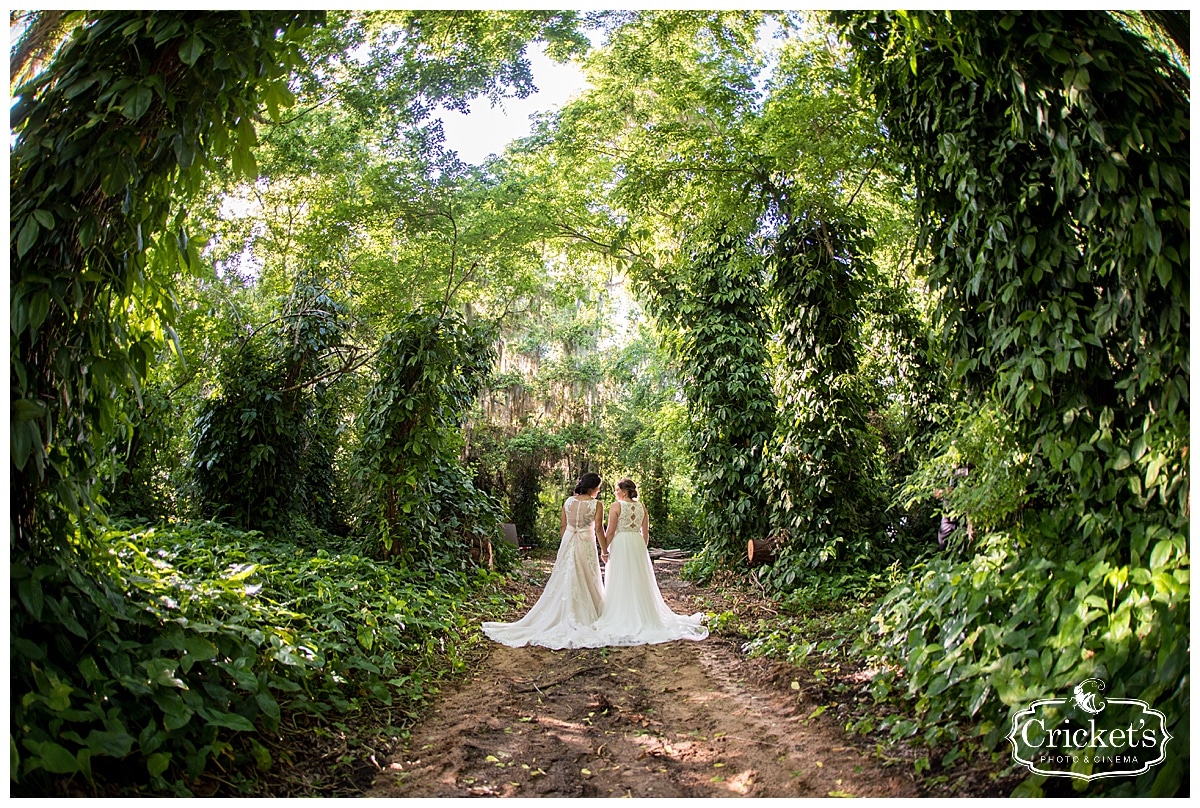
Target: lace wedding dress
(573,596)
(634,612)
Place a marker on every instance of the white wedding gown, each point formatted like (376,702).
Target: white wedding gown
(571,601)
(634,612)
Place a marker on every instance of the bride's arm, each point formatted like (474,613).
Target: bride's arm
(599,529)
(614,512)
(646,526)
(562,519)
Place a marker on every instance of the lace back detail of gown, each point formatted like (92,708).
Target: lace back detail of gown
(634,611)
(631,516)
(580,514)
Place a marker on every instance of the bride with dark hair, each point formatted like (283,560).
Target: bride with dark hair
(634,612)
(574,595)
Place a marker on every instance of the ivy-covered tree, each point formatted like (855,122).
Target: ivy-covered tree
(111,136)
(1049,152)
(417,500)
(714,317)
(824,487)
(264,439)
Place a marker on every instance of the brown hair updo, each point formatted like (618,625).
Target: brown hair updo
(629,487)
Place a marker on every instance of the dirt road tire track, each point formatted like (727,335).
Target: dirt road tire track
(681,719)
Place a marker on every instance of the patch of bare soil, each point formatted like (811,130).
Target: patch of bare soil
(681,719)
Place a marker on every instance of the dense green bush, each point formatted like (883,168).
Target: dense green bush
(978,640)
(169,650)
(264,439)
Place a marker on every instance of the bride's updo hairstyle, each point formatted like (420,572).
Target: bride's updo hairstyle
(588,482)
(627,485)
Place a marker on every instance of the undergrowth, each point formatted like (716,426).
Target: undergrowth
(193,659)
(916,684)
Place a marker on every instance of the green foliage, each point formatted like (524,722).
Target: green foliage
(822,614)
(417,60)
(1068,298)
(981,639)
(140,477)
(999,486)
(1052,192)
(171,651)
(821,472)
(109,138)
(714,313)
(529,453)
(416,498)
(646,430)
(740,123)
(263,442)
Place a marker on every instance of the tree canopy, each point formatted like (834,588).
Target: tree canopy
(790,270)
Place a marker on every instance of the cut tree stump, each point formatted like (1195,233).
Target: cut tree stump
(481,552)
(760,551)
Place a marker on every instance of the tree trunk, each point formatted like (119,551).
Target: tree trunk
(481,552)
(760,551)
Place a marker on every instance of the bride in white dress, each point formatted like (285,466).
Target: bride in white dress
(573,596)
(634,612)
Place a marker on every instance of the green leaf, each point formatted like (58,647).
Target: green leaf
(45,218)
(27,236)
(39,308)
(1168,779)
(234,721)
(157,763)
(199,648)
(244,163)
(115,744)
(162,672)
(135,102)
(185,155)
(57,759)
(262,756)
(59,697)
(30,592)
(191,49)
(270,707)
(1161,554)
(178,719)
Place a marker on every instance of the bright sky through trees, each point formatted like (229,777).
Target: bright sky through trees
(487,129)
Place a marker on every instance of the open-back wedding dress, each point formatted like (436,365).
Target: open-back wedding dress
(634,612)
(571,601)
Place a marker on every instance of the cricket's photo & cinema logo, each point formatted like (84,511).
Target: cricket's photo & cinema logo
(1087,736)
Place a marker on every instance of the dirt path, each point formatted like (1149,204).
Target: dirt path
(681,719)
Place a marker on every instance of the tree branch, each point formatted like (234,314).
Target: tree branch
(866,174)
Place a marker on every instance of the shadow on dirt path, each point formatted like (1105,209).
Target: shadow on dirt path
(681,719)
